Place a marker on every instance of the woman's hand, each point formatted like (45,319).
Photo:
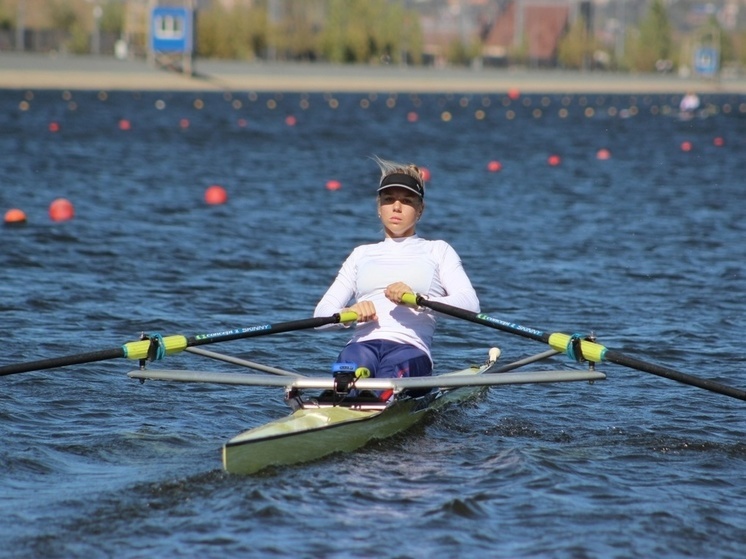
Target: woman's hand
(365,310)
(395,291)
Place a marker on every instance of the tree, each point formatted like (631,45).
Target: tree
(652,42)
(62,15)
(576,48)
(739,48)
(7,21)
(65,18)
(369,30)
(236,33)
(297,34)
(112,18)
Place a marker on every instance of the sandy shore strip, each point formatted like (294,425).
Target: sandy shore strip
(34,71)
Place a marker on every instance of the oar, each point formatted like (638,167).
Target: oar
(575,346)
(156,346)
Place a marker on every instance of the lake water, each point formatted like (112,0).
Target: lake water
(645,248)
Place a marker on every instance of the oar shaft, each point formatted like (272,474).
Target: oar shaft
(263,330)
(51,363)
(168,345)
(590,351)
(481,318)
(659,370)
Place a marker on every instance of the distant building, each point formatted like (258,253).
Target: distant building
(529,29)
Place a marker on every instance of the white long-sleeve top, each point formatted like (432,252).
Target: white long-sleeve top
(430,268)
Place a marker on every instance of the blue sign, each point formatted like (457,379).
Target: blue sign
(171,30)
(706,60)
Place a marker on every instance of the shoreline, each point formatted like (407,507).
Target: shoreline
(37,71)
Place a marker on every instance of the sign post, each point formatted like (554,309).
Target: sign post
(172,35)
(706,61)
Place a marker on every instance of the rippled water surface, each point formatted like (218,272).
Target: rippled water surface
(646,249)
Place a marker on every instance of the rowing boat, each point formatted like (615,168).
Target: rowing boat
(319,425)
(340,417)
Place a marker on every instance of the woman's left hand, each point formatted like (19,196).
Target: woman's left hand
(396,291)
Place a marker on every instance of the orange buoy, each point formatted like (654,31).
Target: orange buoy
(603,154)
(514,93)
(14,216)
(425,173)
(333,185)
(494,166)
(216,195)
(61,209)
(554,160)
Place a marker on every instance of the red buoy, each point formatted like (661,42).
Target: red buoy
(554,160)
(603,154)
(514,93)
(494,166)
(333,185)
(14,216)
(61,209)
(216,195)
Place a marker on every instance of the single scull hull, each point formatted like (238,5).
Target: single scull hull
(313,432)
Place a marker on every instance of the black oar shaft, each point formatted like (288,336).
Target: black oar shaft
(263,330)
(659,370)
(600,353)
(174,344)
(53,362)
(510,327)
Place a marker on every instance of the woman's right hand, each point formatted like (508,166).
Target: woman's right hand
(365,310)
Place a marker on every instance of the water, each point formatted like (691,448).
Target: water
(646,249)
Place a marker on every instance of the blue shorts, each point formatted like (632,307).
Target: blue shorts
(387,359)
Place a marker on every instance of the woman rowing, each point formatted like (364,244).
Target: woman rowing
(391,339)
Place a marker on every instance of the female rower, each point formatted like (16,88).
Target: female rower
(392,339)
